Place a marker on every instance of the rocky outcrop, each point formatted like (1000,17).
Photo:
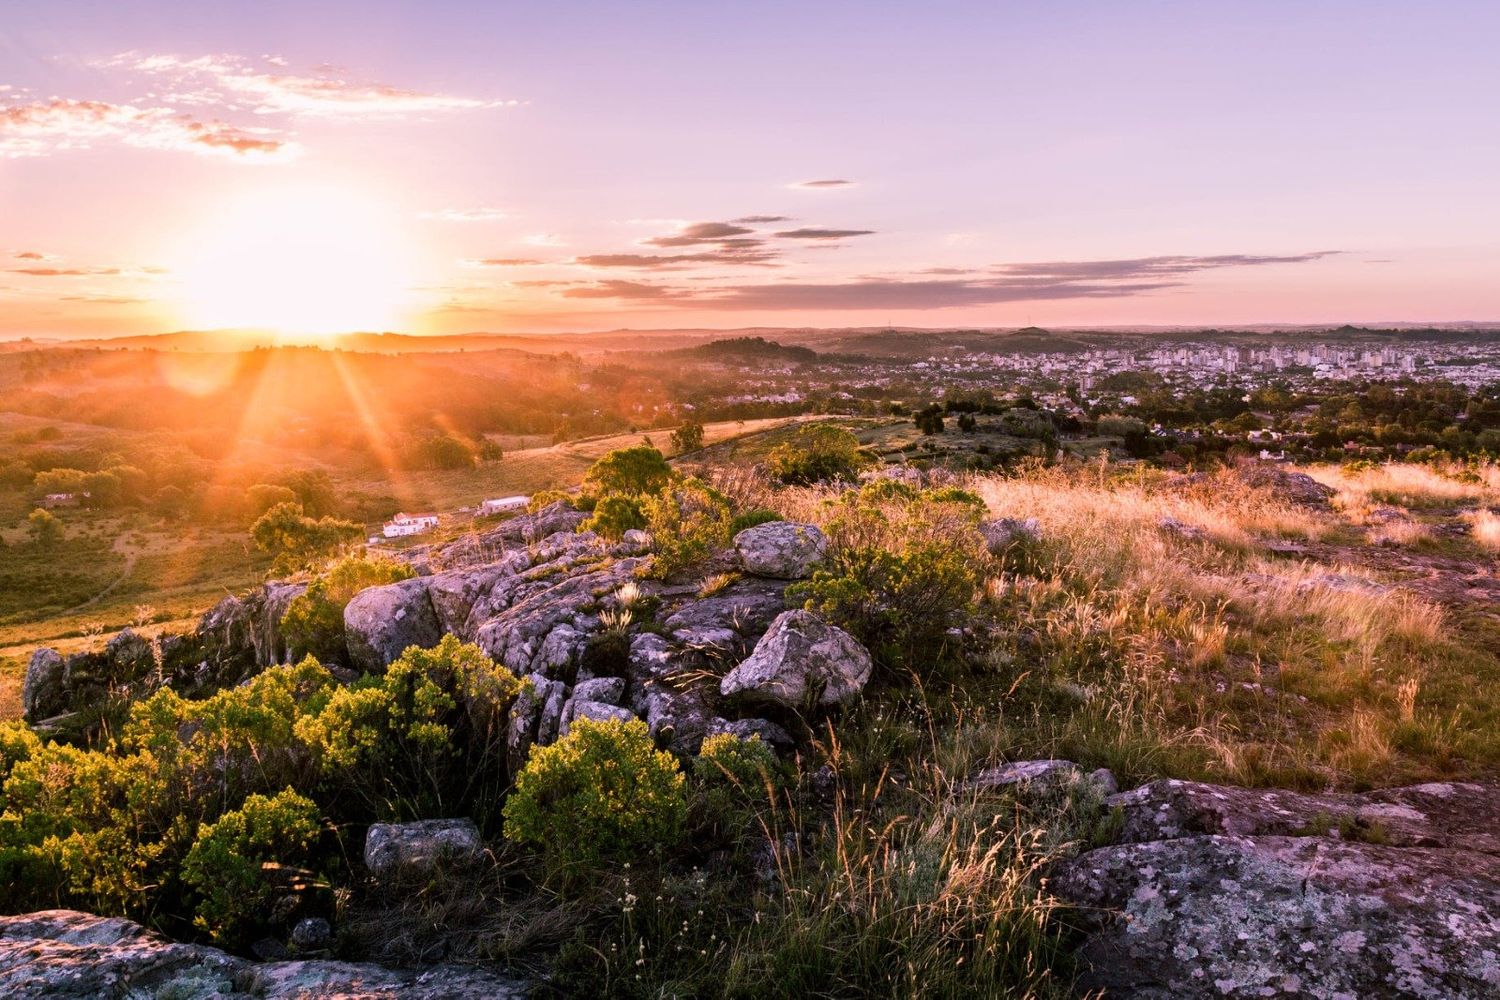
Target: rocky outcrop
(1221,892)
(1003,533)
(1293,487)
(801,662)
(381,622)
(67,955)
(781,549)
(414,850)
(1041,775)
(44,692)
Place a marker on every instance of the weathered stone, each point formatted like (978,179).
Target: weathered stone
(677,719)
(799,663)
(781,549)
(42,692)
(525,718)
(312,934)
(381,622)
(609,690)
(595,710)
(396,850)
(549,722)
(1294,487)
(1001,533)
(1222,916)
(768,732)
(1042,775)
(67,955)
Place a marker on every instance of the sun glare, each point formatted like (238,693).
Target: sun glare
(317,261)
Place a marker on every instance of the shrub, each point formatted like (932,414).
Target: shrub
(546,498)
(688,437)
(687,523)
(223,867)
(751,518)
(613,516)
(628,471)
(734,780)
(815,453)
(298,541)
(313,623)
(602,792)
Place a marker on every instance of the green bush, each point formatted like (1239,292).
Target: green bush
(223,867)
(733,782)
(634,471)
(603,792)
(298,541)
(687,523)
(751,518)
(313,624)
(546,498)
(817,452)
(613,516)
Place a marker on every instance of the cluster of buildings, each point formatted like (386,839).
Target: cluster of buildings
(404,525)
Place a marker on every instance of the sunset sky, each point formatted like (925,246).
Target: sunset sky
(450,167)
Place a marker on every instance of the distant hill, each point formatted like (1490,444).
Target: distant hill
(743,349)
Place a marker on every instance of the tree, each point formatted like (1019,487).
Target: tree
(637,471)
(298,541)
(263,496)
(489,451)
(930,420)
(815,453)
(314,489)
(46,530)
(967,423)
(688,437)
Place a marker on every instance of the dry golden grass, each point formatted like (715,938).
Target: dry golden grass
(1409,485)
(1484,525)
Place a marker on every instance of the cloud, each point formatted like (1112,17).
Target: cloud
(45,127)
(504,262)
(730,256)
(326,95)
(464,215)
(808,233)
(1005,283)
(630,290)
(750,220)
(699,233)
(67,272)
(104,300)
(815,185)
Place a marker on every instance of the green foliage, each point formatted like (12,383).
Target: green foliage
(688,437)
(298,541)
(45,529)
(313,624)
(734,781)
(930,420)
(687,523)
(751,518)
(817,452)
(263,496)
(603,792)
(613,516)
(547,498)
(441,451)
(904,567)
(637,471)
(424,739)
(223,867)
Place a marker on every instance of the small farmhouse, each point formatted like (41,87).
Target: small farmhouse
(504,505)
(409,524)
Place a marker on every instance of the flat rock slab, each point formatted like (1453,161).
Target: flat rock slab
(1216,916)
(68,955)
(418,848)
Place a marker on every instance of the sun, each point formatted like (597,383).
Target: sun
(306,261)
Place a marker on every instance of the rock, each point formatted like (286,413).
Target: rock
(416,849)
(781,549)
(609,690)
(381,622)
(312,934)
(799,663)
(768,732)
(598,711)
(1183,530)
(525,718)
(1041,775)
(635,542)
(1002,532)
(677,719)
(541,621)
(68,955)
(1440,814)
(1275,916)
(1294,487)
(549,722)
(42,692)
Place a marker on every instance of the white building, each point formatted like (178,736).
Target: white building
(409,524)
(503,505)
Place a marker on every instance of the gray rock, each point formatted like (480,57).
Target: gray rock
(596,710)
(677,719)
(67,955)
(42,692)
(416,849)
(609,690)
(312,934)
(1221,916)
(799,663)
(768,732)
(781,549)
(549,723)
(1003,532)
(381,622)
(525,718)
(1042,775)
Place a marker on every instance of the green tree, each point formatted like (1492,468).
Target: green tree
(688,437)
(298,541)
(46,530)
(930,420)
(263,496)
(634,471)
(817,452)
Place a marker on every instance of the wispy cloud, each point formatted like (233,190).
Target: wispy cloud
(815,185)
(649,261)
(464,215)
(752,220)
(628,290)
(503,262)
(699,233)
(808,233)
(45,127)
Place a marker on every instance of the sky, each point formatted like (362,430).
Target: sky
(444,167)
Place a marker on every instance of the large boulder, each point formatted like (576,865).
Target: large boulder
(1002,533)
(381,622)
(403,850)
(68,955)
(801,662)
(42,692)
(1216,916)
(781,549)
